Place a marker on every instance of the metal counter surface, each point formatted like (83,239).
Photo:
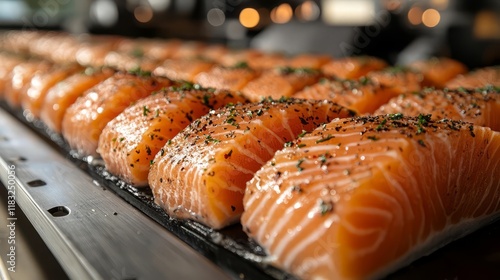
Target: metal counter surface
(93,233)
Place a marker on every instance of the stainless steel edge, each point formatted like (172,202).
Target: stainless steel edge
(103,237)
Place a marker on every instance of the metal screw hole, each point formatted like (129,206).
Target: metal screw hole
(36,183)
(19,158)
(59,211)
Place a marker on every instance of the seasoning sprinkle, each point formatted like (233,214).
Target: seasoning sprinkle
(299,163)
(328,137)
(145,110)
(325,207)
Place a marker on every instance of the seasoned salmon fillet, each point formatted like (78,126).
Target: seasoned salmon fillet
(266,61)
(313,61)
(280,82)
(359,198)
(488,76)
(129,142)
(65,93)
(398,79)
(94,49)
(41,82)
(19,80)
(362,95)
(231,78)
(201,174)
(353,67)
(129,61)
(236,57)
(189,50)
(438,71)
(182,69)
(7,64)
(479,106)
(86,118)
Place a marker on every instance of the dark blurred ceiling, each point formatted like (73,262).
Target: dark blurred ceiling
(396,30)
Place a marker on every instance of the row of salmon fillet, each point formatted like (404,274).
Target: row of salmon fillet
(340,168)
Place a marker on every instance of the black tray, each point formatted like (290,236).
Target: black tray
(476,255)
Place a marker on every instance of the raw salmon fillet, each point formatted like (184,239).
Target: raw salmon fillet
(65,93)
(86,118)
(362,95)
(232,58)
(438,71)
(479,106)
(231,78)
(201,173)
(398,79)
(182,69)
(129,143)
(189,50)
(280,82)
(213,52)
(19,80)
(129,61)
(478,78)
(314,61)
(267,61)
(41,82)
(7,63)
(353,67)
(362,197)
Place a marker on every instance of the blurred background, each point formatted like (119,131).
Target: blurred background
(398,31)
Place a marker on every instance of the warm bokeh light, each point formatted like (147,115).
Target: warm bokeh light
(143,13)
(216,17)
(348,12)
(159,5)
(282,14)
(487,25)
(439,4)
(307,11)
(249,17)
(431,17)
(415,15)
(392,5)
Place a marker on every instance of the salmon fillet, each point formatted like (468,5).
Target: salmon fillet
(86,118)
(41,82)
(162,49)
(231,78)
(65,93)
(232,58)
(182,69)
(129,142)
(214,52)
(478,78)
(129,61)
(479,106)
(313,61)
(189,50)
(353,67)
(280,82)
(7,64)
(359,198)
(267,61)
(398,79)
(438,71)
(201,173)
(19,80)
(362,95)
(93,51)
